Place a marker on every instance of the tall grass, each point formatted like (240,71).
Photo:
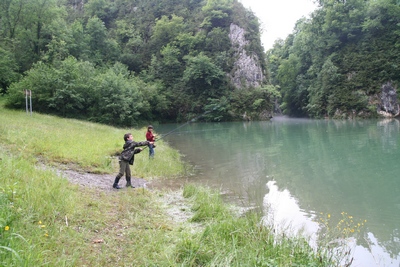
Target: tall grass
(92,147)
(34,201)
(231,241)
(45,221)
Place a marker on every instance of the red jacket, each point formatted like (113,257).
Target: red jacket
(150,136)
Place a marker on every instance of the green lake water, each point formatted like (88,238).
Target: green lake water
(302,173)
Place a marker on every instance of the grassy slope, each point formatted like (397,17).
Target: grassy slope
(88,145)
(45,221)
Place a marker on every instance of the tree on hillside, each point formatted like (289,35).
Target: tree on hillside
(178,54)
(335,63)
(202,76)
(103,49)
(8,70)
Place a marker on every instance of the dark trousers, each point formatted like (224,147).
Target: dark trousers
(124,168)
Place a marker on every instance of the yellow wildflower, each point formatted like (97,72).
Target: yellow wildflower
(6,228)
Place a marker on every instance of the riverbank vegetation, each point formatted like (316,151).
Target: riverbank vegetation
(125,63)
(89,146)
(47,221)
(336,63)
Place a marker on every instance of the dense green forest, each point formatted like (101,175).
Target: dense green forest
(125,62)
(336,63)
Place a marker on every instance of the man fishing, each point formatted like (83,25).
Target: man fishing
(127,158)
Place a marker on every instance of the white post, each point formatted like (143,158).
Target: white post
(30,100)
(26,100)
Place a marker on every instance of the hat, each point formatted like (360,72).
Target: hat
(150,127)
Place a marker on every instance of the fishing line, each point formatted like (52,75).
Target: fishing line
(170,132)
(192,120)
(199,131)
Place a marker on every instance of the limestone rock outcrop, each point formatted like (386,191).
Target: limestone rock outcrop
(247,71)
(389,106)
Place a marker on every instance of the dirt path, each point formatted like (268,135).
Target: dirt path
(176,206)
(100,181)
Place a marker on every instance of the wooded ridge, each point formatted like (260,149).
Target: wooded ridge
(127,62)
(130,62)
(343,62)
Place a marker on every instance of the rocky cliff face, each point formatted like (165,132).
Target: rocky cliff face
(389,107)
(247,71)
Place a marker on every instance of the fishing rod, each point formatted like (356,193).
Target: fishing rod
(192,120)
(170,132)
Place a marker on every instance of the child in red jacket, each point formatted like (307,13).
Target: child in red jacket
(151,138)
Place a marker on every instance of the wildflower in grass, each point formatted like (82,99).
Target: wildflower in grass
(46,234)
(6,228)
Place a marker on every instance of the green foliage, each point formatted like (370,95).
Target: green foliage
(218,110)
(131,43)
(178,54)
(77,89)
(166,30)
(217,40)
(59,89)
(202,75)
(336,62)
(217,13)
(169,68)
(320,91)
(255,104)
(116,98)
(102,49)
(29,28)
(8,70)
(102,9)
(79,45)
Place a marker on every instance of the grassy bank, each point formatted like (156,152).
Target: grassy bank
(88,146)
(46,221)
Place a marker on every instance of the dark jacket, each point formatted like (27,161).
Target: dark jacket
(130,149)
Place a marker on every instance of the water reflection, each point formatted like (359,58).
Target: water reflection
(318,166)
(283,213)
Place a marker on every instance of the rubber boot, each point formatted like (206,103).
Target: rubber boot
(115,185)
(128,182)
